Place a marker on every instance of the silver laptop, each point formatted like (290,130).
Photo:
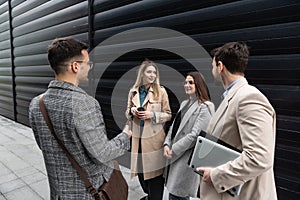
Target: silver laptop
(212,153)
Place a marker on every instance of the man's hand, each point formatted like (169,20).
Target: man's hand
(127,130)
(206,174)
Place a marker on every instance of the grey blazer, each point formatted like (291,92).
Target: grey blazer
(181,180)
(78,122)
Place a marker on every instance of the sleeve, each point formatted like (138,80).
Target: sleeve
(92,132)
(201,123)
(168,137)
(128,113)
(32,113)
(256,125)
(165,114)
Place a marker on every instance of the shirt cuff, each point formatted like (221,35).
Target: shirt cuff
(126,140)
(154,117)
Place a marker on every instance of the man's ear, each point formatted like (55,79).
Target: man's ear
(220,66)
(75,67)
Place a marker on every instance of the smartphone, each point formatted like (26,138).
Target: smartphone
(140,109)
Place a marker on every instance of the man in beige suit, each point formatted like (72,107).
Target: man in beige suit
(246,120)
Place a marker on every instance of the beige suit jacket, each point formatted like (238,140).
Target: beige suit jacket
(246,120)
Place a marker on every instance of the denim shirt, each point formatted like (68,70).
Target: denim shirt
(143,93)
(229,87)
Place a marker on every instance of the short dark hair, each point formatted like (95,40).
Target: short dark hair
(202,91)
(62,50)
(234,55)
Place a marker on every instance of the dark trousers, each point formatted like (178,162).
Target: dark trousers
(174,197)
(154,187)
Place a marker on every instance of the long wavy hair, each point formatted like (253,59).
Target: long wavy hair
(139,80)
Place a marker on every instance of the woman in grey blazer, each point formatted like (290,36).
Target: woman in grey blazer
(192,117)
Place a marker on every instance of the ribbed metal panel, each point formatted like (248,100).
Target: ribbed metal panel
(270,28)
(35,25)
(6,76)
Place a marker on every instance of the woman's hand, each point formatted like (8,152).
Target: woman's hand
(145,115)
(134,111)
(141,114)
(167,152)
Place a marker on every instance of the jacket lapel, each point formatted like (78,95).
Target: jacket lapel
(136,98)
(223,107)
(187,115)
(218,114)
(149,96)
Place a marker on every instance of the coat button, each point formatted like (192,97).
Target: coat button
(222,188)
(154,131)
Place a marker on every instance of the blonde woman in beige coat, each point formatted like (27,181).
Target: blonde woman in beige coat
(148,107)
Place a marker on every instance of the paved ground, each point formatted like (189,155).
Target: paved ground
(22,171)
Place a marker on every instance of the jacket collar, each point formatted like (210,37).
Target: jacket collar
(55,84)
(136,96)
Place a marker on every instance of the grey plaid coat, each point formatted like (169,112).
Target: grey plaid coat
(78,122)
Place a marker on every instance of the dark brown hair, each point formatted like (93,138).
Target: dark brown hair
(63,50)
(233,55)
(202,91)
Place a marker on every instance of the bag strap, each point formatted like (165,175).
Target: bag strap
(82,174)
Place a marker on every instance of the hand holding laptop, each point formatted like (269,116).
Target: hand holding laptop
(206,173)
(212,152)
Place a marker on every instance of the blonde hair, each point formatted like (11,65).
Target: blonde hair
(155,85)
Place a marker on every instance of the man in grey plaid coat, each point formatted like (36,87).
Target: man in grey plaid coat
(78,122)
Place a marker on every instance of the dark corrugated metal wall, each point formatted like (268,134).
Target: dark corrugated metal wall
(34,25)
(270,28)
(6,73)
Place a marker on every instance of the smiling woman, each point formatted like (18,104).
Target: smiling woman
(189,85)
(148,107)
(192,117)
(149,76)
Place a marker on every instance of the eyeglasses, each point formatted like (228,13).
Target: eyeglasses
(89,63)
(188,82)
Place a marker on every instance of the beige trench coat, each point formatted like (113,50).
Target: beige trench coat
(153,135)
(246,120)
